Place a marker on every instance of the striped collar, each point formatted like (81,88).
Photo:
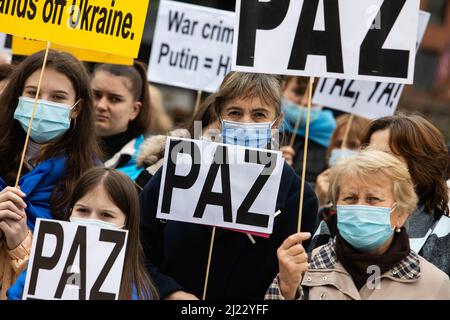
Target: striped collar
(326,258)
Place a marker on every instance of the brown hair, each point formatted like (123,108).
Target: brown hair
(355,134)
(5,71)
(301,82)
(247,85)
(146,121)
(78,144)
(205,114)
(422,145)
(123,194)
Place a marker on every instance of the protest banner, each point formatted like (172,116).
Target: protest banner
(192,46)
(364,98)
(70,261)
(26,47)
(243,197)
(3,48)
(192,192)
(89,24)
(360,40)
(114,26)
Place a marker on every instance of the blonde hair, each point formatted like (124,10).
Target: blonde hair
(369,162)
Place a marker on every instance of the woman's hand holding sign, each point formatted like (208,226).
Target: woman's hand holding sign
(13,219)
(292,262)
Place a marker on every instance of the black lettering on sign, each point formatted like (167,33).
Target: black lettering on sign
(399,86)
(323,43)
(256,15)
(388,91)
(244,216)
(348,91)
(324,82)
(78,245)
(376,61)
(375,89)
(338,83)
(118,238)
(41,262)
(222,199)
(172,180)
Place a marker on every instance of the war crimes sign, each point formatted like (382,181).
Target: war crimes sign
(351,39)
(365,98)
(113,26)
(192,46)
(220,185)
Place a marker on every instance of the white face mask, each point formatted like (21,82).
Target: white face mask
(94,222)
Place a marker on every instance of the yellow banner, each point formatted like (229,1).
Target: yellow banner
(111,26)
(26,47)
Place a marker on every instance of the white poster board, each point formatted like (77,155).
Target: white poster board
(352,39)
(70,261)
(220,185)
(4,51)
(192,46)
(364,98)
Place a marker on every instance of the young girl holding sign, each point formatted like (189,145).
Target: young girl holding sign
(104,197)
(62,146)
(240,269)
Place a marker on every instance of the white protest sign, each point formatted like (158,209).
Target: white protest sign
(351,39)
(365,98)
(192,46)
(220,185)
(70,261)
(3,48)
(2,41)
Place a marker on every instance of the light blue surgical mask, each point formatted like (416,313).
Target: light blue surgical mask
(338,154)
(295,112)
(94,222)
(51,119)
(365,228)
(254,135)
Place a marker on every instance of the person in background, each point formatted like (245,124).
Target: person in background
(322,124)
(156,100)
(420,145)
(62,147)
(337,151)
(370,257)
(448,174)
(241,269)
(5,72)
(106,198)
(124,116)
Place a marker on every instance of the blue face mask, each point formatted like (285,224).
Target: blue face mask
(254,135)
(365,228)
(294,112)
(338,154)
(51,119)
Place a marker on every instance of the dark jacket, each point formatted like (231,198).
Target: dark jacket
(316,162)
(239,269)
